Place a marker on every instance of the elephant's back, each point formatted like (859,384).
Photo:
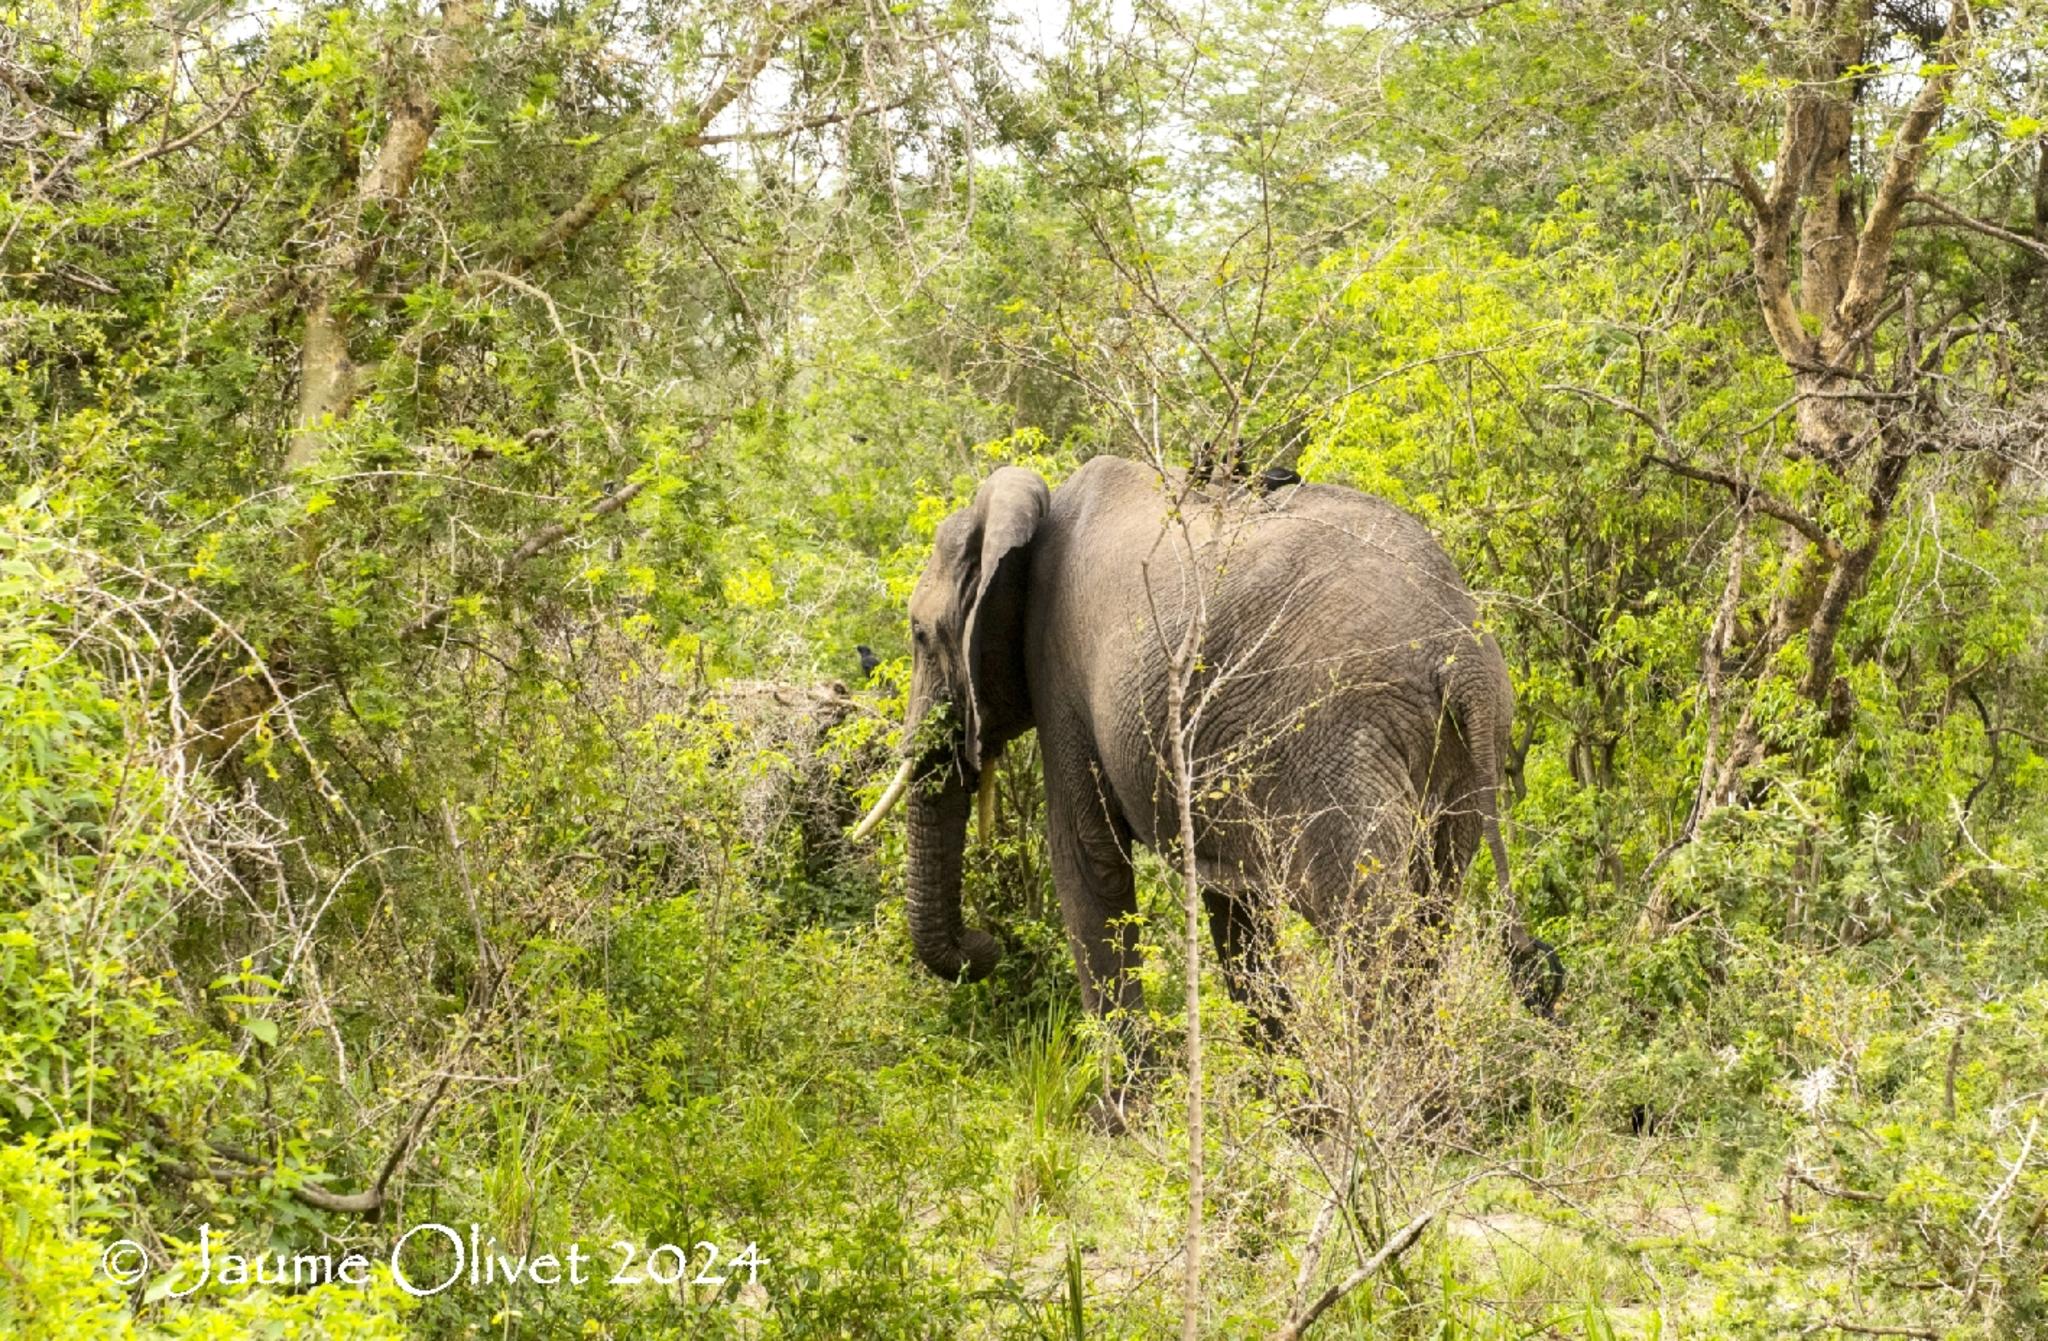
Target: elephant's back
(1332,612)
(1308,535)
(1323,574)
(1348,544)
(1313,571)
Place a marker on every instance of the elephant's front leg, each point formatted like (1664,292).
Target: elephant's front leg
(1091,871)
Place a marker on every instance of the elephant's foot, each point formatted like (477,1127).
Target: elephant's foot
(1538,974)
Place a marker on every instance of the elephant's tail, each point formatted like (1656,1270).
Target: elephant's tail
(1482,703)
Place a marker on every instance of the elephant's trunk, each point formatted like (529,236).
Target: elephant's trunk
(938,835)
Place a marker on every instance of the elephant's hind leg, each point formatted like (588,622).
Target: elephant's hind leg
(1244,943)
(1364,893)
(1440,864)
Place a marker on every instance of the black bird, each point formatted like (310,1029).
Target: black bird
(868,660)
(1275,477)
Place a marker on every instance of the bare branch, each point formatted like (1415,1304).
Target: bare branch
(1402,1240)
(327,376)
(1858,1329)
(741,77)
(579,216)
(347,1203)
(137,159)
(1806,1179)
(1745,491)
(1768,504)
(794,127)
(1771,238)
(545,538)
(1976,225)
(564,227)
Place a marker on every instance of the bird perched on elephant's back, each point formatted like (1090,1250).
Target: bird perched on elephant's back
(1350,713)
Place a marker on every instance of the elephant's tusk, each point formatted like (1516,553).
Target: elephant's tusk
(987,801)
(897,786)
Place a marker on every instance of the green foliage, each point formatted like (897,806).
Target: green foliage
(459,807)
(59,1201)
(103,1067)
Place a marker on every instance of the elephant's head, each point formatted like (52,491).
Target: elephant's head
(967,699)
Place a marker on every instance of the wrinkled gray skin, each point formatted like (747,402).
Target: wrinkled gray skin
(1362,716)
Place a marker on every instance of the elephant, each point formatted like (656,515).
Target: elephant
(1350,714)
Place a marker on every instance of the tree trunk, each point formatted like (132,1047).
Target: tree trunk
(326,379)
(327,373)
(1823,332)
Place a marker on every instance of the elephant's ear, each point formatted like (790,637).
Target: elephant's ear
(1009,505)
